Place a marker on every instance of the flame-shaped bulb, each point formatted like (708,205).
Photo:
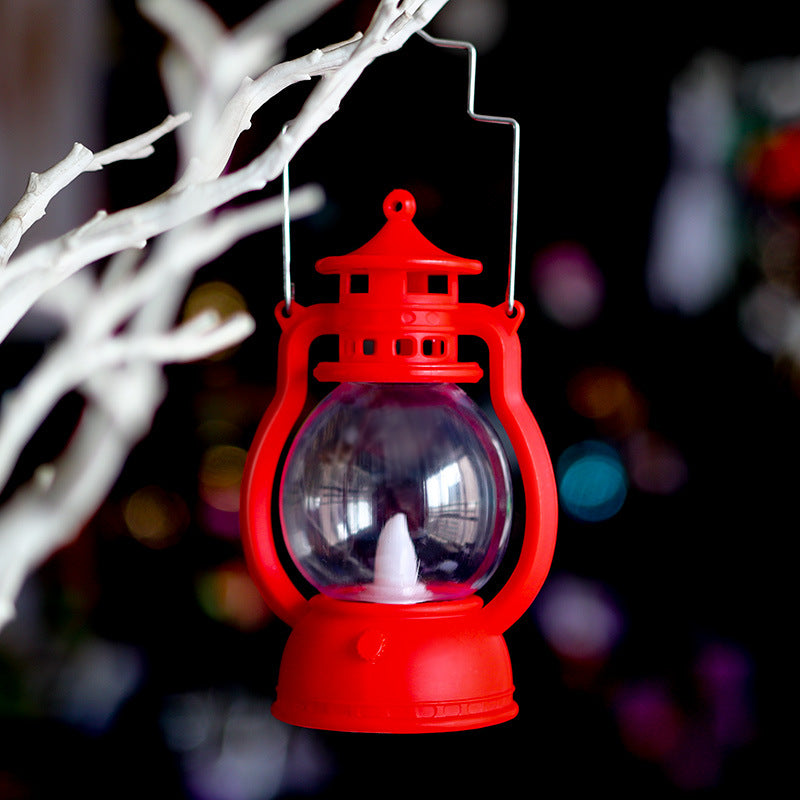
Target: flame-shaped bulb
(396,566)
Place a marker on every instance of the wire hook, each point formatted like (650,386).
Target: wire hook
(288,289)
(512,256)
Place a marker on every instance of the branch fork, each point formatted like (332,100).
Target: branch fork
(119,330)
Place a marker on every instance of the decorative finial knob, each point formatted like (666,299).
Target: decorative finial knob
(399,203)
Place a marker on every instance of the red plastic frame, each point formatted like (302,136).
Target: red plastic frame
(498,331)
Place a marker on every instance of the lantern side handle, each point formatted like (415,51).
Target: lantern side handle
(498,330)
(261,469)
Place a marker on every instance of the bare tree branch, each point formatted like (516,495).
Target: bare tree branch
(122,327)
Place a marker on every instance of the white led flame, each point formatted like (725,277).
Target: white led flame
(396,566)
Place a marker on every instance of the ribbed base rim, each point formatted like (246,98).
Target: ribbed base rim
(411,718)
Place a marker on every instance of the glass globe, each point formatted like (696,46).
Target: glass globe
(396,493)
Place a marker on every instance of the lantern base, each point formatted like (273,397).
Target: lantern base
(379,668)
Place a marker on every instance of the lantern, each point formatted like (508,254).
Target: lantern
(395,497)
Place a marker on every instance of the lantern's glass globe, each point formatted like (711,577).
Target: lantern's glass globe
(396,493)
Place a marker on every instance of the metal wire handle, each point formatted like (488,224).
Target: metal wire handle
(512,255)
(288,289)
(452,44)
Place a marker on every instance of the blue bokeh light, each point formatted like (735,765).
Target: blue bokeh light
(592,481)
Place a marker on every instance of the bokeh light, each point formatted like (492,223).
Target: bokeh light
(772,164)
(218,296)
(607,396)
(220,478)
(579,618)
(655,465)
(649,719)
(777,242)
(692,260)
(592,481)
(155,517)
(724,676)
(568,285)
(230,747)
(228,594)
(94,682)
(769,318)
(226,406)
(228,744)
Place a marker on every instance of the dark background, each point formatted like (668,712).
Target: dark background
(696,579)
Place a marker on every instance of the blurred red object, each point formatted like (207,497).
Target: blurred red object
(773,166)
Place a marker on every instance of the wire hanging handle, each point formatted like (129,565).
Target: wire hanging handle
(453,44)
(288,289)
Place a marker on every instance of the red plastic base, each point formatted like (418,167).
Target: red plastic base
(375,668)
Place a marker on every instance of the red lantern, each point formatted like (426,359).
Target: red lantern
(395,498)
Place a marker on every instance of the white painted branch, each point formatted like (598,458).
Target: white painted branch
(199,337)
(139,146)
(181,256)
(42,188)
(50,263)
(90,345)
(72,365)
(391,26)
(120,375)
(199,40)
(204,65)
(46,513)
(280,19)
(251,96)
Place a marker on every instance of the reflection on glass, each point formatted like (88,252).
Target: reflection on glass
(415,465)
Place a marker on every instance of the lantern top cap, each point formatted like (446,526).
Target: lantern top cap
(399,245)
